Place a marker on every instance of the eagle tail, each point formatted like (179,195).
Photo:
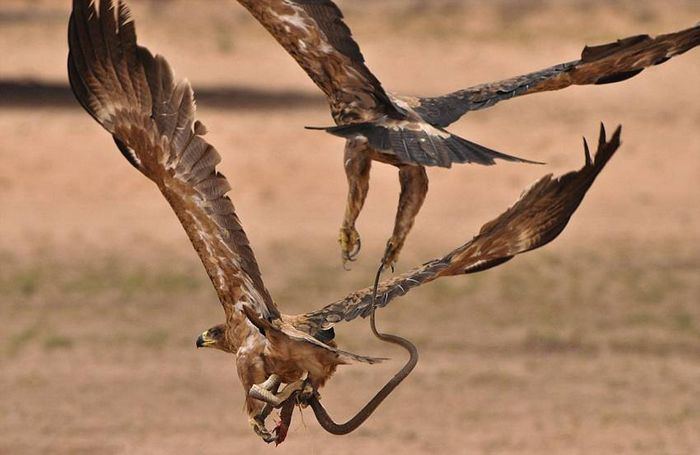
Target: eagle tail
(429,146)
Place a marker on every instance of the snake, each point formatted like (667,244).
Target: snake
(325,420)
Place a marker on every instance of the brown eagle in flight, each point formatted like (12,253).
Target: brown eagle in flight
(409,132)
(151,117)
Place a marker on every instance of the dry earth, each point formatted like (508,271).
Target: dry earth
(591,345)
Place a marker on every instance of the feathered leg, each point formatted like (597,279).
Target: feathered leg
(357,163)
(414,187)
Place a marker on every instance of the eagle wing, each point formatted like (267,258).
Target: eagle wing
(314,34)
(537,218)
(603,64)
(151,117)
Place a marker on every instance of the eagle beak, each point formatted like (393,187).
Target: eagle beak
(204,340)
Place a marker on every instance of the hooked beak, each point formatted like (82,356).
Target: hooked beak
(204,340)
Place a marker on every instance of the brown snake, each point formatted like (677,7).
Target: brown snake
(344,428)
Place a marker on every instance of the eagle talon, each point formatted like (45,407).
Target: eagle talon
(259,428)
(285,399)
(350,244)
(390,258)
(306,393)
(265,412)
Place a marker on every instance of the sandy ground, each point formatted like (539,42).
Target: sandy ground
(591,345)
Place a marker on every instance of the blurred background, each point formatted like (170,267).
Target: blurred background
(590,345)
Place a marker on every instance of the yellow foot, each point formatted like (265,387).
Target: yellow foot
(391,255)
(271,383)
(305,395)
(350,244)
(258,426)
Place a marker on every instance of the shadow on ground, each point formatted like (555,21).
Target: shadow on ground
(30,93)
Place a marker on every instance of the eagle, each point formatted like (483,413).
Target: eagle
(281,359)
(409,132)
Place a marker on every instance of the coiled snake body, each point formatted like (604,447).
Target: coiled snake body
(320,412)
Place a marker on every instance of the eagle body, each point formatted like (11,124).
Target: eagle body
(409,132)
(258,356)
(378,126)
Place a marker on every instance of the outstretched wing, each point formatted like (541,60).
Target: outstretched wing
(602,64)
(133,95)
(536,219)
(314,33)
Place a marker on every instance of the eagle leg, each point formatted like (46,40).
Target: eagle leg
(414,188)
(257,422)
(357,164)
(297,392)
(271,383)
(267,391)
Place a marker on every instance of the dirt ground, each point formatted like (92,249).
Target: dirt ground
(590,345)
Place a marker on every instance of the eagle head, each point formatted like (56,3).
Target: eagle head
(214,338)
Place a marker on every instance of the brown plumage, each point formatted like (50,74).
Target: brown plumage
(408,132)
(134,96)
(151,117)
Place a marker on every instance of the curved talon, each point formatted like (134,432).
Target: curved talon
(352,255)
(287,399)
(350,245)
(306,393)
(264,413)
(390,257)
(259,429)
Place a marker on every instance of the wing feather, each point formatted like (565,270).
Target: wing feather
(537,218)
(607,63)
(314,33)
(134,96)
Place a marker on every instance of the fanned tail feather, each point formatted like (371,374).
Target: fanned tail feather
(427,147)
